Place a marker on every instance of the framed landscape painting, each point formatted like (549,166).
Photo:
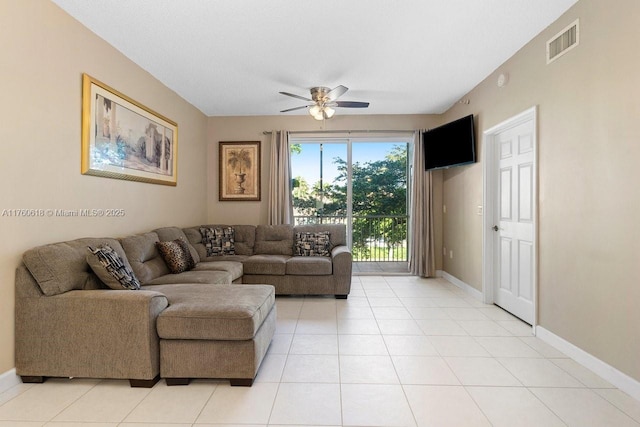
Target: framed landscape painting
(123,139)
(239,171)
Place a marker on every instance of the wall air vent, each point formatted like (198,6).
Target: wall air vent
(563,42)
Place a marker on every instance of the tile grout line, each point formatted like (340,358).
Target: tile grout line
(286,360)
(637,420)
(74,401)
(26,388)
(339,369)
(404,391)
(215,388)
(477,405)
(138,404)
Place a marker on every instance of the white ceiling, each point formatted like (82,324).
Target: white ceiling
(232,57)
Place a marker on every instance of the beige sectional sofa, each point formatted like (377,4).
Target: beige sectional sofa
(202,323)
(267,256)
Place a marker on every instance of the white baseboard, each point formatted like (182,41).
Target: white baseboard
(9,379)
(619,379)
(459,283)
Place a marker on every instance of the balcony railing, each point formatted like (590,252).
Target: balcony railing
(376,238)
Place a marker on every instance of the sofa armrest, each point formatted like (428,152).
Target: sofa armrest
(89,333)
(342,265)
(341,250)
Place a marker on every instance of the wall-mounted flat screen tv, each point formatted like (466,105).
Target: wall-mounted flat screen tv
(453,144)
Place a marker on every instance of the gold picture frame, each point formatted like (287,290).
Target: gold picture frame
(123,139)
(239,171)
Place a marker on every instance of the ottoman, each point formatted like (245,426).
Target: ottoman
(216,331)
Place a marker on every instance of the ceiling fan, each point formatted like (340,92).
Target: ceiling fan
(323,101)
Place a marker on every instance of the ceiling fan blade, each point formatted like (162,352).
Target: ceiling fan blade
(295,96)
(336,92)
(351,104)
(296,108)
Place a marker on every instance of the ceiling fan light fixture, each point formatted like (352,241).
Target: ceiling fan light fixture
(329,112)
(315,110)
(323,101)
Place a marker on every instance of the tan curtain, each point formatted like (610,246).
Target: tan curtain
(421,253)
(280,205)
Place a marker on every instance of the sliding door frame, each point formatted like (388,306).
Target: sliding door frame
(349,141)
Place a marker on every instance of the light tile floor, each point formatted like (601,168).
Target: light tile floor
(401,351)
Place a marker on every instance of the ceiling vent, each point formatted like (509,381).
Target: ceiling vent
(563,42)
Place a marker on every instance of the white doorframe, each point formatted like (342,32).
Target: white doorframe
(490,193)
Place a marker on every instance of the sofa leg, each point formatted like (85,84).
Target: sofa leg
(144,383)
(241,382)
(178,381)
(341,296)
(33,379)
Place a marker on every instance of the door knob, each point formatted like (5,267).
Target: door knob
(495,228)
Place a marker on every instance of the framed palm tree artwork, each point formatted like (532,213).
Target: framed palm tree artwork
(239,171)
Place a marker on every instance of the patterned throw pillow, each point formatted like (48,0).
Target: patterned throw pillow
(111,269)
(176,255)
(313,244)
(218,241)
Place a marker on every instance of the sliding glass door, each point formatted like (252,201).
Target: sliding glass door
(362,183)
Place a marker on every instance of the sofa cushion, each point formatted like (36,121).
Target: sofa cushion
(111,268)
(62,267)
(244,236)
(145,260)
(271,265)
(309,266)
(176,255)
(227,237)
(274,240)
(198,312)
(232,267)
(193,237)
(211,277)
(166,234)
(218,241)
(313,244)
(338,232)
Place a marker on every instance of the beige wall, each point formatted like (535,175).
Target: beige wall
(589,203)
(252,128)
(44,53)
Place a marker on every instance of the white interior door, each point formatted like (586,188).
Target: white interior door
(513,218)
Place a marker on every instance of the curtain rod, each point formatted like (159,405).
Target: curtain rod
(268,132)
